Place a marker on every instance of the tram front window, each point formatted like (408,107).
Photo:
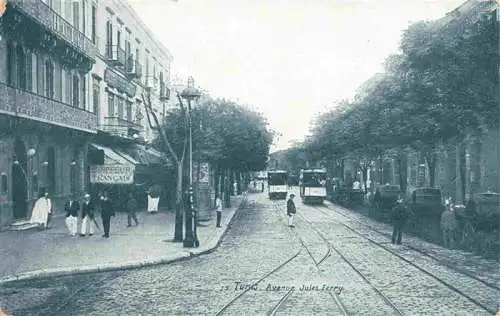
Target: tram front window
(277,179)
(314,180)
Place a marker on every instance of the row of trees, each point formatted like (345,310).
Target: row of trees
(232,138)
(442,86)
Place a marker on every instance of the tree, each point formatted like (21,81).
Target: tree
(176,147)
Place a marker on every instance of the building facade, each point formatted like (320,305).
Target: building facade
(47,123)
(72,77)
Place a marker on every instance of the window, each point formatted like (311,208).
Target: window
(94,24)
(21,67)
(49,79)
(76,91)
(5,187)
(11,63)
(109,39)
(84,93)
(120,107)
(129,111)
(34,180)
(118,38)
(76,15)
(68,83)
(128,51)
(29,72)
(96,96)
(111,104)
(84,17)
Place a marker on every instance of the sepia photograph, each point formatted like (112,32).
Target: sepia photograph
(249,157)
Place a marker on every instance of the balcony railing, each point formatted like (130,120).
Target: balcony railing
(120,127)
(20,103)
(116,55)
(48,18)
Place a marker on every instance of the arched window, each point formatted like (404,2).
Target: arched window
(11,63)
(76,91)
(49,79)
(21,67)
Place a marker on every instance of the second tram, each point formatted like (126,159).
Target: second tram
(312,184)
(277,184)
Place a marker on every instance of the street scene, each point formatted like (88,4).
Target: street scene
(228,157)
(333,262)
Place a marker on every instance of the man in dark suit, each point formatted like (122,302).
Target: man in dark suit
(71,208)
(106,213)
(88,216)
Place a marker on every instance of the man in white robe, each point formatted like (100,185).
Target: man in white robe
(41,211)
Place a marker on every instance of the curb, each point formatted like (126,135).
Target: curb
(131,265)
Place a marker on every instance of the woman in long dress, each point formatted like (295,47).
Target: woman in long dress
(41,210)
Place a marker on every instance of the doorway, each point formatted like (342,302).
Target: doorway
(19,186)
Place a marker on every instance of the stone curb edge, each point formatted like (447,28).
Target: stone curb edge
(45,273)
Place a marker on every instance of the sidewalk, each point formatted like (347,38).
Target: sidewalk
(52,252)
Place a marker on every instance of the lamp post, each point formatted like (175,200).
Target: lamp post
(190,93)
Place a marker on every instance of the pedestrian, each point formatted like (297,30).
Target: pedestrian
(449,225)
(106,213)
(218,211)
(290,210)
(71,208)
(88,216)
(400,214)
(235,188)
(262,186)
(42,210)
(132,207)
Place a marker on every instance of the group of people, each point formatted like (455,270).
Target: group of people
(86,211)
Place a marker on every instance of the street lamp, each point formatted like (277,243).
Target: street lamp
(30,153)
(190,93)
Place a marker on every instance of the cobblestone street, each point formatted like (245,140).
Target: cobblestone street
(323,266)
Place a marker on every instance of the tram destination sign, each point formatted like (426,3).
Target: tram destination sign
(112,174)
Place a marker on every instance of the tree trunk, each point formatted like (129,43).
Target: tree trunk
(403,183)
(227,188)
(430,159)
(179,207)
(216,182)
(240,182)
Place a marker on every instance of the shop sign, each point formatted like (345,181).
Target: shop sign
(112,174)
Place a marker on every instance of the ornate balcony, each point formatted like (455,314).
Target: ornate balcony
(116,55)
(32,106)
(117,126)
(40,24)
(134,68)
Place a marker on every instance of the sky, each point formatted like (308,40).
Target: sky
(289,59)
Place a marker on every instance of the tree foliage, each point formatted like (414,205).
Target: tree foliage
(442,85)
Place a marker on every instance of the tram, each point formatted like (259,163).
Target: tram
(312,184)
(277,184)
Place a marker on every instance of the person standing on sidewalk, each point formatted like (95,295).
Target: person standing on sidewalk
(42,210)
(88,216)
(106,213)
(218,211)
(449,225)
(132,207)
(71,208)
(290,210)
(400,214)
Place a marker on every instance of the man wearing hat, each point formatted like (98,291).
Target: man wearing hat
(290,210)
(88,219)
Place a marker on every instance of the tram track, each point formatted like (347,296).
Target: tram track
(437,278)
(420,251)
(317,264)
(349,263)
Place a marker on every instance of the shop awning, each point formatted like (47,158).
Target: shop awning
(147,155)
(118,167)
(113,157)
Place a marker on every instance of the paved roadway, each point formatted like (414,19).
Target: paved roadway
(327,265)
